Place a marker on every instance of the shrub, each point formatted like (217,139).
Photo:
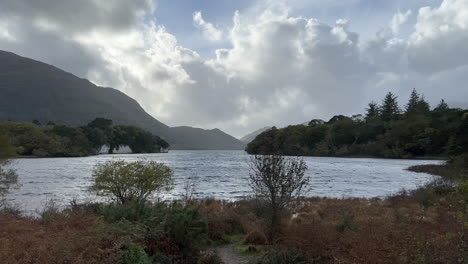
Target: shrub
(8,177)
(50,211)
(132,253)
(284,256)
(222,219)
(426,195)
(131,181)
(179,233)
(135,211)
(255,237)
(186,229)
(210,258)
(346,222)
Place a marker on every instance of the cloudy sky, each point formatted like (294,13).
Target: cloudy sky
(239,65)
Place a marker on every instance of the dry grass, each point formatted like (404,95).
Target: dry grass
(64,239)
(382,231)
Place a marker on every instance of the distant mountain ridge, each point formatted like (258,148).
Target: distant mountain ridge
(251,136)
(31,90)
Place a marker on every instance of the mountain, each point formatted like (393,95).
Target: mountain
(250,137)
(31,90)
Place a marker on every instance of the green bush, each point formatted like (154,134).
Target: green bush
(132,253)
(171,233)
(134,212)
(346,222)
(186,229)
(128,182)
(284,256)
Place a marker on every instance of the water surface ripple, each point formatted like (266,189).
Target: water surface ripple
(218,174)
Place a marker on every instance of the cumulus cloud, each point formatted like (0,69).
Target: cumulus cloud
(208,30)
(276,69)
(398,20)
(440,39)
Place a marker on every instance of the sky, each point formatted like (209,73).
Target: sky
(240,65)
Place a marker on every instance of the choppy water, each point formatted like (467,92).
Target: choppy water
(218,174)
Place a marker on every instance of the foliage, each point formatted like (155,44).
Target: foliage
(132,253)
(8,177)
(131,181)
(284,256)
(186,230)
(277,181)
(384,132)
(139,140)
(210,258)
(346,221)
(32,139)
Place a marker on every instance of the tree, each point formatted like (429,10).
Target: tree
(442,106)
(372,111)
(277,181)
(105,125)
(8,177)
(390,109)
(423,106)
(316,122)
(416,104)
(413,101)
(128,182)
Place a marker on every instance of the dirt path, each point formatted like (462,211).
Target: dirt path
(229,255)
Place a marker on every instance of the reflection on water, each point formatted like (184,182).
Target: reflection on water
(218,174)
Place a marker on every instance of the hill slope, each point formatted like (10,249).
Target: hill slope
(31,90)
(251,136)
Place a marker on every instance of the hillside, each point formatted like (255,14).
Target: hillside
(31,90)
(251,136)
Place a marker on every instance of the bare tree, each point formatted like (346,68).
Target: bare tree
(190,186)
(277,181)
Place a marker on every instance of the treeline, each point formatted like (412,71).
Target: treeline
(51,140)
(384,131)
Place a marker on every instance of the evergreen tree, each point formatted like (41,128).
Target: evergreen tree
(372,111)
(417,104)
(423,106)
(442,106)
(390,109)
(413,102)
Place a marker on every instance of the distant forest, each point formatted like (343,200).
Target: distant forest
(385,131)
(51,140)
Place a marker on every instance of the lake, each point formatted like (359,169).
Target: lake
(217,174)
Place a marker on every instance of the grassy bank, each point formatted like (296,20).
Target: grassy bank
(427,225)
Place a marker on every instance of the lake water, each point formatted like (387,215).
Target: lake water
(218,174)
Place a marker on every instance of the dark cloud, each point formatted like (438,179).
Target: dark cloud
(79,16)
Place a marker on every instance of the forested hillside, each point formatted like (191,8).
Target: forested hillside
(32,90)
(386,130)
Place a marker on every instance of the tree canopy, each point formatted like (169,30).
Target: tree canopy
(131,181)
(384,132)
(54,140)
